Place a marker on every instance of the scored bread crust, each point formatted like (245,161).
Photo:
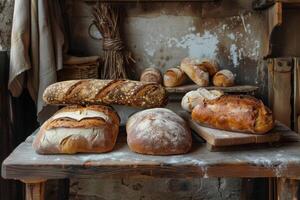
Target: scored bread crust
(68,135)
(151,74)
(235,113)
(196,72)
(107,92)
(223,78)
(210,65)
(174,77)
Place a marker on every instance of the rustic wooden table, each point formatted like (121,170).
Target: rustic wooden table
(281,161)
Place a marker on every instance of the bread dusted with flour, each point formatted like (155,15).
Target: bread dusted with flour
(151,75)
(174,77)
(195,97)
(223,78)
(196,72)
(158,131)
(77,129)
(107,92)
(235,113)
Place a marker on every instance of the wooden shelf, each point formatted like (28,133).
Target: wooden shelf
(233,89)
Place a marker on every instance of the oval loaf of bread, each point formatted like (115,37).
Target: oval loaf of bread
(223,78)
(107,92)
(210,65)
(158,131)
(235,113)
(195,97)
(196,72)
(174,77)
(78,129)
(151,74)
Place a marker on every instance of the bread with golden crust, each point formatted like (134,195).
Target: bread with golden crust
(210,65)
(151,75)
(235,113)
(174,77)
(158,131)
(107,92)
(223,78)
(195,71)
(78,129)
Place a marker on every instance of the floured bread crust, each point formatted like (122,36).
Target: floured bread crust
(174,77)
(195,97)
(78,129)
(223,78)
(235,113)
(158,131)
(195,71)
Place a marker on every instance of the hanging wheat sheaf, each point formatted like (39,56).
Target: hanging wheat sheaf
(116,57)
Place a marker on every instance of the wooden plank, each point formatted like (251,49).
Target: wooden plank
(233,89)
(281,161)
(281,90)
(298,124)
(217,137)
(287,189)
(35,189)
(296,93)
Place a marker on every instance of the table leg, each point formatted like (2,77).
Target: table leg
(35,189)
(287,189)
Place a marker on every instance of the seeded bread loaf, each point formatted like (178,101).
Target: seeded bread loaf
(107,92)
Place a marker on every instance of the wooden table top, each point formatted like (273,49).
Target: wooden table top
(277,161)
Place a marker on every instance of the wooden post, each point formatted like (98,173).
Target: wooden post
(287,189)
(35,189)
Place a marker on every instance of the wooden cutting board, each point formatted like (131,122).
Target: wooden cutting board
(216,137)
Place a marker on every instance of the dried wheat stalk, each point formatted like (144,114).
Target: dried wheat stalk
(116,58)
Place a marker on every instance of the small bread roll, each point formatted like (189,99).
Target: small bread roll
(158,131)
(196,97)
(151,74)
(210,65)
(196,72)
(223,78)
(174,77)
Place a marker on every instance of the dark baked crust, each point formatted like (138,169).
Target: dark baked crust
(107,92)
(235,113)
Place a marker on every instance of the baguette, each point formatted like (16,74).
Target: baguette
(107,92)
(235,113)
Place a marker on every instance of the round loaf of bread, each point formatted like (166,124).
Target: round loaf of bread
(223,78)
(210,65)
(196,72)
(77,129)
(196,97)
(174,77)
(151,74)
(158,131)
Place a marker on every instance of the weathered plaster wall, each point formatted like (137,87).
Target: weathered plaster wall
(6,13)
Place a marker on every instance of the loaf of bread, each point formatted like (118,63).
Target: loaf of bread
(158,131)
(210,65)
(235,113)
(174,77)
(151,74)
(107,92)
(223,78)
(77,129)
(195,97)
(196,72)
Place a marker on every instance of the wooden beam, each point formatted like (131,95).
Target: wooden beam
(287,189)
(35,189)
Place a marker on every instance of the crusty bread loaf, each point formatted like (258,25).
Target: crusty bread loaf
(210,65)
(223,78)
(174,77)
(195,97)
(78,129)
(151,74)
(158,131)
(235,113)
(196,72)
(107,92)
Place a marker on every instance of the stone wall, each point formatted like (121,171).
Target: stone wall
(6,16)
